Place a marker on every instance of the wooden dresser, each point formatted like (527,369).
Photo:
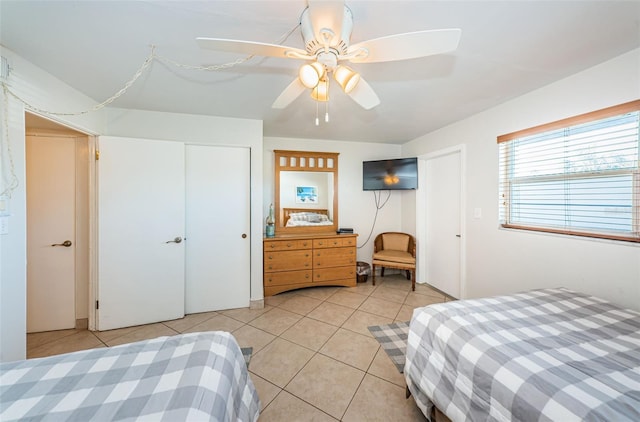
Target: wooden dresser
(295,261)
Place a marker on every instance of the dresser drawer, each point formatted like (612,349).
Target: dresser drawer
(289,260)
(287,244)
(335,273)
(287,277)
(334,257)
(334,242)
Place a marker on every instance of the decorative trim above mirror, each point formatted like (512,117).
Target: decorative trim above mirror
(306,191)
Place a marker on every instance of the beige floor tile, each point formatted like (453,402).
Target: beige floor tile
(107,336)
(320,292)
(309,333)
(266,391)
(327,384)
(384,368)
(279,361)
(331,313)
(425,289)
(381,307)
(395,281)
(351,348)
(279,298)
(417,300)
(405,313)
(216,323)
(348,299)
(390,293)
(38,339)
(300,304)
(379,400)
(288,408)
(81,340)
(144,332)
(363,288)
(182,324)
(248,336)
(359,322)
(276,321)
(245,314)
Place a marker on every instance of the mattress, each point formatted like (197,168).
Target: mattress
(197,376)
(543,355)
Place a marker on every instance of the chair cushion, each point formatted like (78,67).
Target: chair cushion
(395,241)
(394,256)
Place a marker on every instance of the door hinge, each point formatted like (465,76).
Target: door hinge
(97,304)
(97,155)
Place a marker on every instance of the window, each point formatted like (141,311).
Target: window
(578,176)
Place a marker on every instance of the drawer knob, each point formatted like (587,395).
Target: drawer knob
(288,245)
(273,246)
(306,276)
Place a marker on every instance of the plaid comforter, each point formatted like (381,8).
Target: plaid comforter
(189,377)
(544,355)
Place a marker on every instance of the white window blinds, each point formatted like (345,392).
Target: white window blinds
(578,176)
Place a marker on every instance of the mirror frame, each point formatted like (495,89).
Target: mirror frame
(319,162)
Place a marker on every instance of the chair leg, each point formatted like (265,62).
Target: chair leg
(381,271)
(373,273)
(408,274)
(413,280)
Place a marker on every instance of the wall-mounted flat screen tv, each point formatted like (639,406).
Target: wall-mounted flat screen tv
(393,174)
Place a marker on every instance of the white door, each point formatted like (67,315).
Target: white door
(50,171)
(443,187)
(217,223)
(140,230)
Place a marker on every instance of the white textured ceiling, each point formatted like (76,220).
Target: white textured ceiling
(507,48)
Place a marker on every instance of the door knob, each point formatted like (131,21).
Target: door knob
(176,240)
(66,244)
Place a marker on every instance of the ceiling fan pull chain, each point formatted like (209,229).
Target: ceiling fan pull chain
(326,112)
(317,119)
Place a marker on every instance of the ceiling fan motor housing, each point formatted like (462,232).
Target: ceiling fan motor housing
(340,44)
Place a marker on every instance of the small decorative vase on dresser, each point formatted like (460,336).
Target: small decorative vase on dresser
(296,261)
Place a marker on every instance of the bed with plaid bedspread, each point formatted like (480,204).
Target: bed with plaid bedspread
(188,377)
(543,355)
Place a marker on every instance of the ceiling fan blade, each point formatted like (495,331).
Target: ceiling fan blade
(407,46)
(364,95)
(249,47)
(329,15)
(289,94)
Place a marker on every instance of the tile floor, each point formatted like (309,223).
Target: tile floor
(313,357)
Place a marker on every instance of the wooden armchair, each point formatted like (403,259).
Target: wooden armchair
(395,250)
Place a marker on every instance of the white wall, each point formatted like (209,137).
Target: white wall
(204,130)
(41,90)
(502,261)
(356,208)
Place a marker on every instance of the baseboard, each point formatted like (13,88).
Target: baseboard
(256,304)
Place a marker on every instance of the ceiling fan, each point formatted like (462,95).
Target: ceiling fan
(326,31)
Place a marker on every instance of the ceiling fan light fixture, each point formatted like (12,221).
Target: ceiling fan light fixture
(321,91)
(346,77)
(310,74)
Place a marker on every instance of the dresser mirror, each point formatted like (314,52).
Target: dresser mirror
(306,192)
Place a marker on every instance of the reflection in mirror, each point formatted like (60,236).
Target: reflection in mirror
(307,190)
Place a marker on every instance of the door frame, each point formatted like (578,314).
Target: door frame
(92,240)
(421,214)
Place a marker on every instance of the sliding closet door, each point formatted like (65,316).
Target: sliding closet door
(140,229)
(218,242)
